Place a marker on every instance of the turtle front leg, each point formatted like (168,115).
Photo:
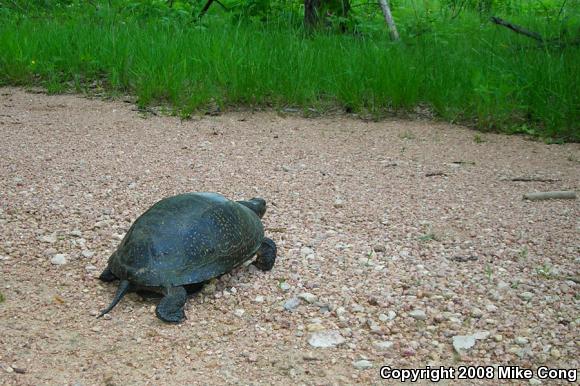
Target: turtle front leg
(266,255)
(170,308)
(107,276)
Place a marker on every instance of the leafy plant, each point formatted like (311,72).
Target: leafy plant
(545,271)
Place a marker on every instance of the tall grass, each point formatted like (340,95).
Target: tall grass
(472,73)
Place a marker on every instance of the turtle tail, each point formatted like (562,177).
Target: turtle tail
(121,291)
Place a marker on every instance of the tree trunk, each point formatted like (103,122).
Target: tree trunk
(389,19)
(311,13)
(315,11)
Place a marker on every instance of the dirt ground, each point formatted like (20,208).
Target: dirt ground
(394,238)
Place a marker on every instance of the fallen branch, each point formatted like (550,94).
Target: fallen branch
(433,174)
(533,179)
(563,195)
(518,29)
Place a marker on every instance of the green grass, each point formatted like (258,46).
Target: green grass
(468,71)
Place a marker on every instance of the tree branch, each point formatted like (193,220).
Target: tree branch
(518,29)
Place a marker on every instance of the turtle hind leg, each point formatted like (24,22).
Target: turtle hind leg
(107,275)
(170,308)
(266,255)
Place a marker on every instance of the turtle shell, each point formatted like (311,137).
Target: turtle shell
(186,239)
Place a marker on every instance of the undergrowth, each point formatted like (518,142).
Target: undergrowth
(463,69)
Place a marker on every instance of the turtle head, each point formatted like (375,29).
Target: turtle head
(257,205)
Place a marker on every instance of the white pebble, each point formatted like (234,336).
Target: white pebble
(58,259)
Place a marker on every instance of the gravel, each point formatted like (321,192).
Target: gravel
(357,223)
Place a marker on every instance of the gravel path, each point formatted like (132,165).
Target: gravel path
(396,239)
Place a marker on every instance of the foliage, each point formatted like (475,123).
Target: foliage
(255,52)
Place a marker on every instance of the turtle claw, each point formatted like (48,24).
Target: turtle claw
(175,317)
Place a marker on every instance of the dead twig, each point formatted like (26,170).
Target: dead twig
(533,179)
(562,195)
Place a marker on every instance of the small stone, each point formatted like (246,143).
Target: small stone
(50,252)
(418,314)
(306,251)
(535,381)
(259,299)
(309,356)
(252,358)
(373,326)
(51,239)
(286,168)
(94,313)
(285,286)
(439,318)
(308,297)
(383,345)
(58,259)
(338,203)
(409,352)
(362,364)
(481,335)
(90,268)
(326,339)
(527,296)
(357,308)
(209,288)
(87,254)
(555,353)
(463,342)
(101,224)
(76,233)
(291,304)
(239,312)
(521,341)
(502,285)
(476,313)
(379,248)
(498,337)
(491,308)
(315,327)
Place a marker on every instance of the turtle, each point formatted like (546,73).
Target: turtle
(186,240)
